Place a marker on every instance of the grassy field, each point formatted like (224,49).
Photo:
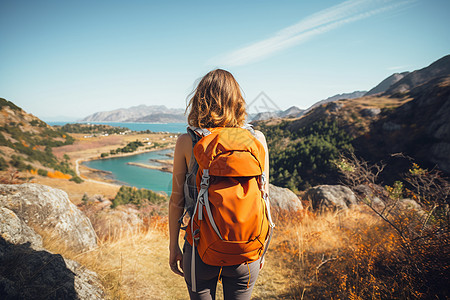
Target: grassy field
(311,257)
(350,254)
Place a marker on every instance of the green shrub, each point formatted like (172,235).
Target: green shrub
(42,172)
(76,179)
(136,196)
(18,163)
(3,164)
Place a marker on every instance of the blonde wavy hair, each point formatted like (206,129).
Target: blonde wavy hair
(217,102)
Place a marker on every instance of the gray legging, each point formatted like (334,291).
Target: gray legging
(237,284)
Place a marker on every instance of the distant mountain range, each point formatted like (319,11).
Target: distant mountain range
(141,113)
(395,83)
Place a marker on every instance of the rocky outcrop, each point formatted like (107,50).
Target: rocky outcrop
(283,198)
(27,273)
(27,270)
(330,197)
(47,209)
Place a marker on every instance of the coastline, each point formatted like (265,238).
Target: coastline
(101,179)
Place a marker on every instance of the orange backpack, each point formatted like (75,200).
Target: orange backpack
(231,222)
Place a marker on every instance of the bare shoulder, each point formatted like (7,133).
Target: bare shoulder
(184,138)
(260,136)
(184,144)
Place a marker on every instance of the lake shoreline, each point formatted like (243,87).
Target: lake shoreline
(101,176)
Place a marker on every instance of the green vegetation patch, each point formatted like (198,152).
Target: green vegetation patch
(132,195)
(305,157)
(129,148)
(92,128)
(4,102)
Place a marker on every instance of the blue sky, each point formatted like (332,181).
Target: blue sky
(74,58)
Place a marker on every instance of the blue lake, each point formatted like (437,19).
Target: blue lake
(139,177)
(130,175)
(155,127)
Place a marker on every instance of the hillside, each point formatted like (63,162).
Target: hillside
(419,128)
(414,122)
(26,143)
(141,113)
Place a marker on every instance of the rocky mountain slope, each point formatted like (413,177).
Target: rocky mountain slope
(351,95)
(419,128)
(291,112)
(386,83)
(437,69)
(415,122)
(141,113)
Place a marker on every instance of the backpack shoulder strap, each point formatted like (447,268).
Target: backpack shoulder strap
(190,186)
(199,132)
(249,127)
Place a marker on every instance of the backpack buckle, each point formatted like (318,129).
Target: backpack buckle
(205,179)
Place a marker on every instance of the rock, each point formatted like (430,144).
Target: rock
(47,209)
(370,112)
(87,284)
(409,204)
(112,223)
(369,197)
(15,231)
(283,198)
(26,273)
(330,197)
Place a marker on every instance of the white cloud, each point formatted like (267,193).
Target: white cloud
(315,24)
(397,68)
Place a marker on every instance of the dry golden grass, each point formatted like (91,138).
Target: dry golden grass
(75,191)
(308,244)
(135,266)
(337,255)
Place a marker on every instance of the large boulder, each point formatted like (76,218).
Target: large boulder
(330,197)
(26,273)
(283,198)
(47,209)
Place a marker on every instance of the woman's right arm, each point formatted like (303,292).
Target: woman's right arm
(183,148)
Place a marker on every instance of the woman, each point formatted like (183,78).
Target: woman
(216,102)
